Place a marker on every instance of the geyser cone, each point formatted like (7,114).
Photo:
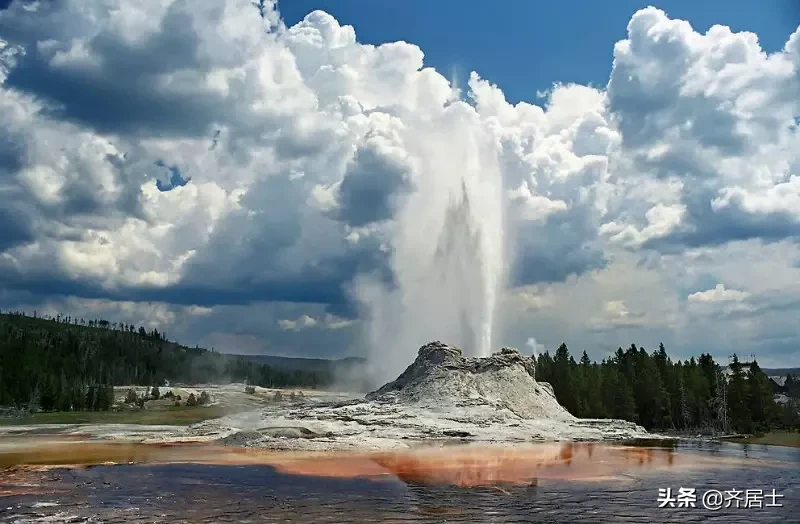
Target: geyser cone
(443,378)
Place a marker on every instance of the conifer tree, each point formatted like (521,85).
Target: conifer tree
(739,398)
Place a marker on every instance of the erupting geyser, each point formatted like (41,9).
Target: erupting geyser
(460,262)
(446,245)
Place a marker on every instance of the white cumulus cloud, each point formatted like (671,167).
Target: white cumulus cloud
(205,157)
(718,294)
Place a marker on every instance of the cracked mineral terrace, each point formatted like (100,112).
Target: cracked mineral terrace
(441,397)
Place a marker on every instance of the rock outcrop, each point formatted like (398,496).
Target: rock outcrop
(441,377)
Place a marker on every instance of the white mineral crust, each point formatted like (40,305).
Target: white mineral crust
(441,397)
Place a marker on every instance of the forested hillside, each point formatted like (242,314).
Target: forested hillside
(654,391)
(66,363)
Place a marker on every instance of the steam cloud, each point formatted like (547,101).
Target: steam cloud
(447,247)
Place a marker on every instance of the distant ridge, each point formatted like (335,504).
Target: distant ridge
(781,372)
(305,364)
(349,373)
(58,363)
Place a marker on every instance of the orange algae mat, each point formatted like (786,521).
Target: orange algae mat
(467,465)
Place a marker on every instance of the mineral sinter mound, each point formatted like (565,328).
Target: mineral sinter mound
(441,377)
(442,395)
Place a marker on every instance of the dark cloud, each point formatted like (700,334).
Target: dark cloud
(762,304)
(705,226)
(82,200)
(225,331)
(369,187)
(644,121)
(319,282)
(322,281)
(306,287)
(15,227)
(85,98)
(16,219)
(556,265)
(252,240)
(12,153)
(46,285)
(566,245)
(154,86)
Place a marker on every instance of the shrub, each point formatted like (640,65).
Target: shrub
(191,400)
(130,396)
(249,389)
(204,399)
(155,393)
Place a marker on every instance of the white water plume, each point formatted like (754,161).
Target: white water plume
(447,249)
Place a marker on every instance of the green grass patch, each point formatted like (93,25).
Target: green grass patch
(162,415)
(773,438)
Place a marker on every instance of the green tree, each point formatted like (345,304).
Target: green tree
(763,410)
(562,380)
(617,394)
(648,390)
(91,398)
(52,364)
(792,386)
(739,398)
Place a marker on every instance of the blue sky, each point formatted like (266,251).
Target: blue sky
(183,165)
(525,46)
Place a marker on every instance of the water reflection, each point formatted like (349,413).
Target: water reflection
(463,466)
(469,466)
(552,482)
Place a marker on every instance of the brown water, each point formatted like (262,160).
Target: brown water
(549,482)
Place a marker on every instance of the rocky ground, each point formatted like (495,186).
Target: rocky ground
(442,397)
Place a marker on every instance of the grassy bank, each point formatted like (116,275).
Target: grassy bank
(773,438)
(161,415)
